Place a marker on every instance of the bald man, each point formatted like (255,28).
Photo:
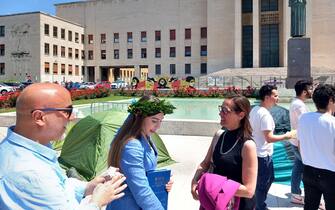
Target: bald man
(30,176)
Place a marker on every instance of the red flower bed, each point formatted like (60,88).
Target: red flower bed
(190,92)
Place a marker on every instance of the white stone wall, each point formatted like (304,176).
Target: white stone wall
(24,47)
(142,15)
(322,34)
(51,40)
(21,42)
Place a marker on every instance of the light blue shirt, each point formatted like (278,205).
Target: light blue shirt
(138,157)
(31,178)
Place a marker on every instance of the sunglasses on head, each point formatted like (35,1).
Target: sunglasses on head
(67,110)
(224,110)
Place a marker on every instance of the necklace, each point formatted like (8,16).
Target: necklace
(223,153)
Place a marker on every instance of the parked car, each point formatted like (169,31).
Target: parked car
(5,89)
(14,85)
(24,85)
(105,84)
(118,84)
(87,85)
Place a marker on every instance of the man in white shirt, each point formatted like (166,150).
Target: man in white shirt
(316,133)
(303,90)
(263,126)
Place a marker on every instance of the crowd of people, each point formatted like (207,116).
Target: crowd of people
(236,172)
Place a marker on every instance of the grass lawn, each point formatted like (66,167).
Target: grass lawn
(83,101)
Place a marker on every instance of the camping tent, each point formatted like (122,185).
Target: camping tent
(87,145)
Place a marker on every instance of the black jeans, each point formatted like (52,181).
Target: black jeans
(265,178)
(317,182)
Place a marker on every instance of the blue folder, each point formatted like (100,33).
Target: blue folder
(157,181)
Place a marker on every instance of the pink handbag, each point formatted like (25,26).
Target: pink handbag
(217,192)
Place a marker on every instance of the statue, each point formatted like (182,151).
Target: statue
(298,17)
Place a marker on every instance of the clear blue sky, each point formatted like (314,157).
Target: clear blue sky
(19,6)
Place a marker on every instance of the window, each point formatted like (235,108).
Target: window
(83,54)
(158,69)
(172,68)
(90,55)
(55,31)
(246,6)
(269,5)
(173,34)
(2,68)
(76,70)
(116,38)
(203,33)
(70,69)
(55,50)
(62,51)
(143,36)
(144,53)
(76,54)
(129,53)
(129,37)
(203,68)
(46,49)
(2,50)
(47,68)
(188,51)
(103,54)
(172,52)
(188,33)
(157,52)
(76,37)
(70,52)
(103,38)
(157,35)
(62,69)
(90,39)
(83,39)
(203,50)
(187,68)
(62,33)
(55,68)
(46,29)
(2,31)
(70,36)
(116,54)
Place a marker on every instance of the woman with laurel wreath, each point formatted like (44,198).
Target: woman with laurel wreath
(134,153)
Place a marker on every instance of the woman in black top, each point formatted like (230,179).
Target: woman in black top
(233,153)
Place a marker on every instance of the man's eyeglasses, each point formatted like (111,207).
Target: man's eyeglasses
(67,110)
(224,110)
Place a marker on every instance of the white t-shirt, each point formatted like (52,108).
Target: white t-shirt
(261,120)
(316,133)
(297,108)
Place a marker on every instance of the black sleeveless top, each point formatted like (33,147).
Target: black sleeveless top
(227,159)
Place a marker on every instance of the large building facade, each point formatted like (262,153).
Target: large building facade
(155,38)
(40,47)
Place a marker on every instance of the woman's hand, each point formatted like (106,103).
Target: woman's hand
(168,186)
(194,190)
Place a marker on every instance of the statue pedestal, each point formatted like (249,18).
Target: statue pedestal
(298,60)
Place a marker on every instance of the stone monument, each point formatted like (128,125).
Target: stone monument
(298,46)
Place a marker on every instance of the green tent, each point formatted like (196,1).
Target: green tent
(87,144)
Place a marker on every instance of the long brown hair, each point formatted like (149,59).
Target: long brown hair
(242,104)
(131,128)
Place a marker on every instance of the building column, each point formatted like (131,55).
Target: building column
(97,74)
(255,33)
(286,28)
(137,71)
(238,33)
